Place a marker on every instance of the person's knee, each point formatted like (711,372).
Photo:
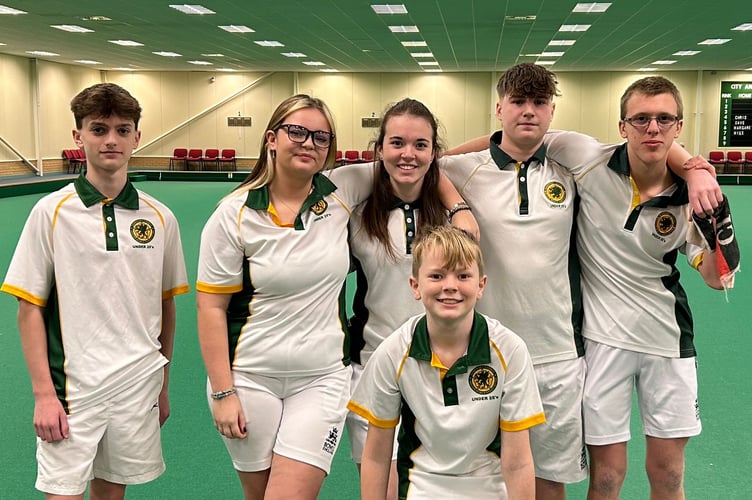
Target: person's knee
(665,476)
(99,489)
(607,481)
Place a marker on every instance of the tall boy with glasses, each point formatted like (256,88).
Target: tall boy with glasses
(634,218)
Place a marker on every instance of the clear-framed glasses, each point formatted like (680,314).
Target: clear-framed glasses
(642,122)
(299,134)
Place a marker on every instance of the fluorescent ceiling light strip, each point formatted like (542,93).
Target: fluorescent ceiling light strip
(389,9)
(10,10)
(71,28)
(574,27)
(237,29)
(192,9)
(126,43)
(591,7)
(404,29)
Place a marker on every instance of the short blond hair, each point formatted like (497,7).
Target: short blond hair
(458,246)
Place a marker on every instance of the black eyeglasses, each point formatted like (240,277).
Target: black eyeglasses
(300,134)
(642,122)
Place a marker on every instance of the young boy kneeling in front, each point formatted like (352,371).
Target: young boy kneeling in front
(461,382)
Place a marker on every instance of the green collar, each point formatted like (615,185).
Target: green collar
(258,199)
(619,163)
(502,159)
(478,352)
(128,197)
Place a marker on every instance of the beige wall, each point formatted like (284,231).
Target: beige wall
(187,109)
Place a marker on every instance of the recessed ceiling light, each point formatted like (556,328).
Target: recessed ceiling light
(192,9)
(421,54)
(1,43)
(293,54)
(167,54)
(545,63)
(748,69)
(551,54)
(226,70)
(404,29)
(10,10)
(96,18)
(574,27)
(414,44)
(72,28)
(646,69)
(124,69)
(330,70)
(41,53)
(269,43)
(562,43)
(428,63)
(743,27)
(87,61)
(591,7)
(519,18)
(201,63)
(126,43)
(238,29)
(213,55)
(664,62)
(686,53)
(389,9)
(433,70)
(714,41)
(313,63)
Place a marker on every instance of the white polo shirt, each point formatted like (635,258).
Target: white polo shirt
(525,212)
(632,296)
(451,421)
(101,269)
(383,299)
(287,312)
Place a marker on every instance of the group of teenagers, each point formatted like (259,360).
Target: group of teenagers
(510,297)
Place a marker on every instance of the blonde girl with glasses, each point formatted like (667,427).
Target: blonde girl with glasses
(271,321)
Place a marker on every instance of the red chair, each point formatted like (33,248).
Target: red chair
(748,162)
(69,160)
(366,155)
(179,155)
(734,162)
(227,156)
(351,156)
(338,158)
(194,156)
(79,159)
(718,160)
(211,157)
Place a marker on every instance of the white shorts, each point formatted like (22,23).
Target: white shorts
(558,445)
(666,395)
(301,418)
(357,426)
(117,440)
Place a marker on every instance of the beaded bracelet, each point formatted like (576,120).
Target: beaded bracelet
(223,394)
(458,207)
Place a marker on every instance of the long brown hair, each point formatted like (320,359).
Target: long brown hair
(379,204)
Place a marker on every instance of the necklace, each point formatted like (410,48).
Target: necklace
(293,211)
